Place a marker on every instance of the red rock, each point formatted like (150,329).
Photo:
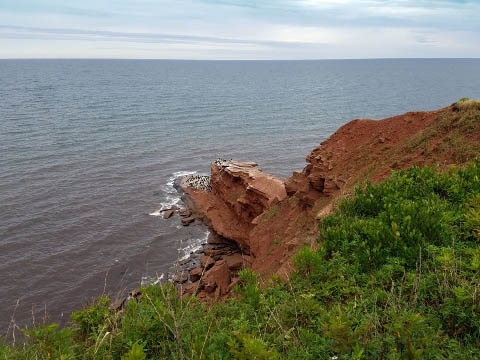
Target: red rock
(191,289)
(317,181)
(247,259)
(180,277)
(187,221)
(202,295)
(235,261)
(168,214)
(185,213)
(196,274)
(136,294)
(210,287)
(240,192)
(213,252)
(217,239)
(218,277)
(242,196)
(234,282)
(207,262)
(292,244)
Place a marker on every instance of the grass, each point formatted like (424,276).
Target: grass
(395,275)
(453,126)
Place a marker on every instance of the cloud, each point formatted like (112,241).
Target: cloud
(24,32)
(241,28)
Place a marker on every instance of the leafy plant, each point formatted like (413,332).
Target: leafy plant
(395,275)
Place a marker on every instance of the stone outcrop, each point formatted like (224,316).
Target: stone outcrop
(240,192)
(207,261)
(217,279)
(217,271)
(360,150)
(196,274)
(270,219)
(240,205)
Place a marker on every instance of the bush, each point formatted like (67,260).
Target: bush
(395,276)
(403,215)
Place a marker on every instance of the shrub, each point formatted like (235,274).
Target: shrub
(395,276)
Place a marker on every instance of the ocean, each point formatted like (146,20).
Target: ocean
(90,149)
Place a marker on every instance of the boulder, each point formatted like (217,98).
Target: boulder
(187,220)
(184,262)
(180,277)
(207,262)
(136,294)
(214,252)
(167,214)
(217,278)
(185,213)
(191,289)
(235,261)
(217,239)
(196,274)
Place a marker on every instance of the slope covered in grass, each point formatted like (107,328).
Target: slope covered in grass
(395,276)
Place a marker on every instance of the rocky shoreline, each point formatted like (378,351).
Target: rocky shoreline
(209,272)
(212,271)
(258,221)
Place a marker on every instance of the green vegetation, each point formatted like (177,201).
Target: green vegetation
(453,136)
(395,276)
(453,127)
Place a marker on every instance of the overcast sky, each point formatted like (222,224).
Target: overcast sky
(239,29)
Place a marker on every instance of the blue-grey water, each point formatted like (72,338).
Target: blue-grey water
(89,148)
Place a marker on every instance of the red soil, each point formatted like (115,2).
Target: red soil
(270,219)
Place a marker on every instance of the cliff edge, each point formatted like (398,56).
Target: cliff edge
(269,218)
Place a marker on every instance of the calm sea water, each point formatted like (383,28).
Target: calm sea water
(90,148)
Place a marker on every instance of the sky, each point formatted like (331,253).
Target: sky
(239,29)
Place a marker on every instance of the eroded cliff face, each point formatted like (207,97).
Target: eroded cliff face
(270,219)
(359,151)
(240,192)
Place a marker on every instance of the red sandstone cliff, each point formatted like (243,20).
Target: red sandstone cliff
(270,219)
(241,191)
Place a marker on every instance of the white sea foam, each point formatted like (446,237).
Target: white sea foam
(182,173)
(155,280)
(172,197)
(192,246)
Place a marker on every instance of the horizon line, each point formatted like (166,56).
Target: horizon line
(188,59)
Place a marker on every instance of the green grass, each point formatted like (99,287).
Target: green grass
(395,276)
(453,125)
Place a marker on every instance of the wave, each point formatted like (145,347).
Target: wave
(192,246)
(172,197)
(149,280)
